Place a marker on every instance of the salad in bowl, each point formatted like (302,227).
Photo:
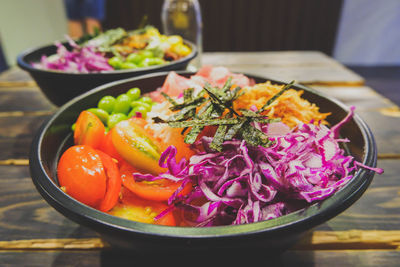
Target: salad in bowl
(214,148)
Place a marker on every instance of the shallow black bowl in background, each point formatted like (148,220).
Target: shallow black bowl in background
(60,87)
(55,136)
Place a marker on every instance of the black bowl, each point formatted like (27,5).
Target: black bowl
(60,87)
(55,136)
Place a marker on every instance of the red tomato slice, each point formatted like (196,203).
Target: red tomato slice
(158,190)
(140,210)
(81,174)
(113,182)
(89,130)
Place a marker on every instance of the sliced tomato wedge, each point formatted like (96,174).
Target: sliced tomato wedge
(108,147)
(114,182)
(89,130)
(158,190)
(137,146)
(140,210)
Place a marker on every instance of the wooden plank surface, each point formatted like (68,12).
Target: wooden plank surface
(25,98)
(309,67)
(16,137)
(365,258)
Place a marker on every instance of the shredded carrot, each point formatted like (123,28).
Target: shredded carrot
(289,107)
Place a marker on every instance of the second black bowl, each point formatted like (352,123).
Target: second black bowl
(60,87)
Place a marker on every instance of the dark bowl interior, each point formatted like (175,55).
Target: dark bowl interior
(55,136)
(60,87)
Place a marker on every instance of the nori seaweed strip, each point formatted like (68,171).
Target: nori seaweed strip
(191,136)
(251,114)
(169,99)
(202,123)
(188,95)
(183,113)
(219,138)
(214,97)
(203,113)
(234,130)
(253,136)
(211,113)
(272,99)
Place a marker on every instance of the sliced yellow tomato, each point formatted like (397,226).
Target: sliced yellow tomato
(140,210)
(137,147)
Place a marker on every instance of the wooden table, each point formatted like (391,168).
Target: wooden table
(367,234)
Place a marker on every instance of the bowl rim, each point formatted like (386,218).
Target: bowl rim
(23,64)
(303,219)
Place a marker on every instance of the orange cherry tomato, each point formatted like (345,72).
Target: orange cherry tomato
(136,146)
(89,130)
(140,210)
(158,190)
(176,139)
(114,182)
(108,147)
(81,174)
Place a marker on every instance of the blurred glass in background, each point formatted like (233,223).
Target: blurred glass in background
(183,17)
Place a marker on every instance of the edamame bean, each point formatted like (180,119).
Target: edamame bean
(113,119)
(134,93)
(115,62)
(142,109)
(155,61)
(146,53)
(122,104)
(134,58)
(146,99)
(100,113)
(128,65)
(107,103)
(135,104)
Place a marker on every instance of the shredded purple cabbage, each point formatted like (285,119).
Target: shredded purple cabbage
(245,184)
(83,59)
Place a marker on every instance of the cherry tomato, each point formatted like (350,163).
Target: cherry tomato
(108,147)
(140,210)
(176,139)
(81,174)
(158,190)
(136,146)
(113,182)
(89,130)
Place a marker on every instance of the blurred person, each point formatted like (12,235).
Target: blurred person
(84,16)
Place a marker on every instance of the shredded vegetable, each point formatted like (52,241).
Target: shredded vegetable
(245,184)
(291,108)
(83,59)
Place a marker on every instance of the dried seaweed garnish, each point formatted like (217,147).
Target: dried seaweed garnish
(214,107)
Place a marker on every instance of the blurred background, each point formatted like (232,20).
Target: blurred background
(358,33)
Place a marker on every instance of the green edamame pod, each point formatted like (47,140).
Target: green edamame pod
(134,93)
(135,104)
(100,113)
(107,103)
(122,104)
(113,119)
